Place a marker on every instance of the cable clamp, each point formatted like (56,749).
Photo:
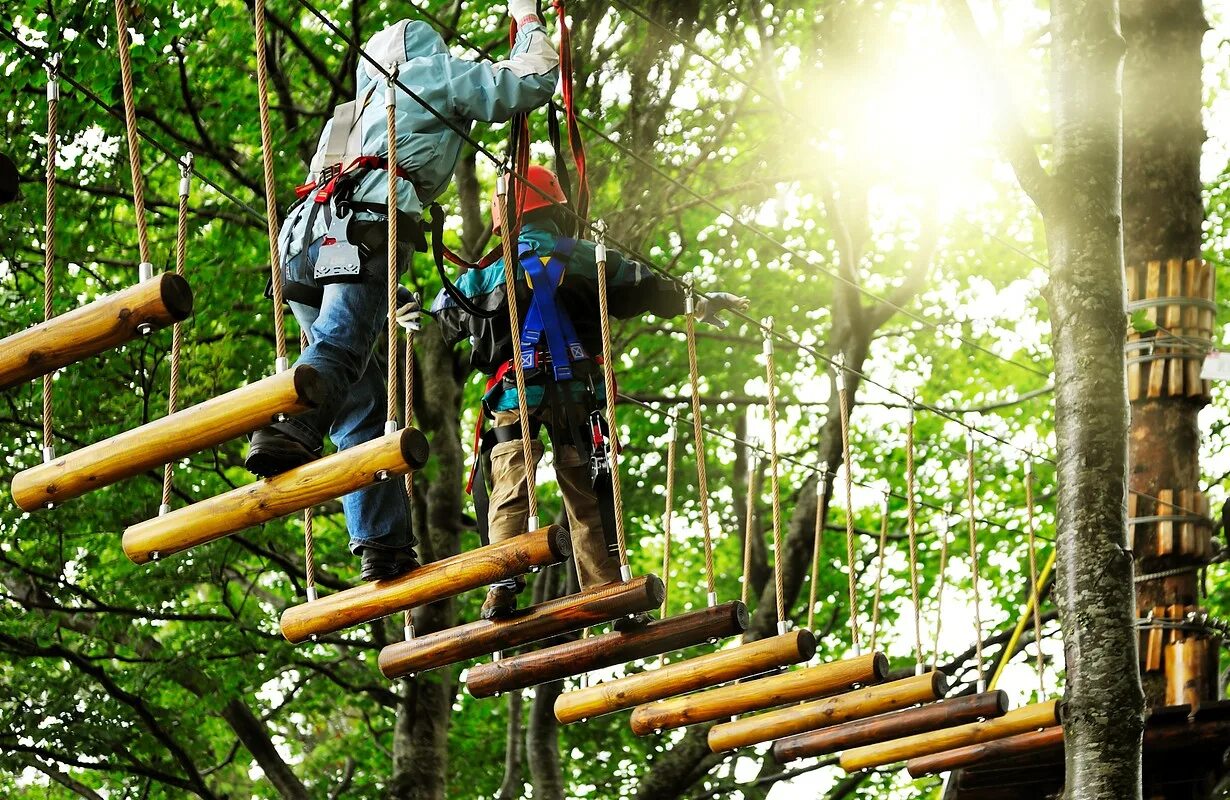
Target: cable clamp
(625,573)
(689,297)
(712,599)
(164,509)
(390,427)
(185,173)
(49,454)
(783,627)
(768,336)
(145,271)
(390,88)
(311,593)
(599,241)
(281,364)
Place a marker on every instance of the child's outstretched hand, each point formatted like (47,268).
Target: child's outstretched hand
(708,308)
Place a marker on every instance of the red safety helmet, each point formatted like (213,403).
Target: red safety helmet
(544,191)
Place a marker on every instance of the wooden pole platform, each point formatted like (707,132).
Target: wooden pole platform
(886,727)
(430,583)
(867,702)
(104,324)
(599,652)
(1047,740)
(167,439)
(482,637)
(294,490)
(776,690)
(669,680)
(1022,720)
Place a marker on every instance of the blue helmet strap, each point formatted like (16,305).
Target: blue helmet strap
(546,320)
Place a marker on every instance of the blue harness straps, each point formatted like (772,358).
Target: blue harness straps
(546,321)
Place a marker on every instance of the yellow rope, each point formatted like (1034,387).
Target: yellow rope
(911,489)
(177,332)
(670,512)
(817,545)
(1030,607)
(973,556)
(271,199)
(844,401)
(49,237)
(130,123)
(939,591)
(698,440)
(391,379)
(875,603)
(608,379)
(1033,573)
(775,476)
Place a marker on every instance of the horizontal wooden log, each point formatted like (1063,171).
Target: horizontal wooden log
(102,325)
(1022,720)
(599,652)
(294,490)
(430,583)
(168,439)
(1033,743)
(669,680)
(482,637)
(886,727)
(865,702)
(776,690)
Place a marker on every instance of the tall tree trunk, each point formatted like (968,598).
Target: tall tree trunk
(1162,215)
(1084,232)
(542,733)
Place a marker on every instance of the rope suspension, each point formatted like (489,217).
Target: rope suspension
(309,536)
(775,477)
(911,509)
(973,556)
(844,401)
(271,197)
(393,374)
(608,379)
(408,388)
(671,438)
(1034,583)
(749,529)
(880,554)
(49,238)
(698,443)
(817,545)
(177,332)
(124,43)
(939,591)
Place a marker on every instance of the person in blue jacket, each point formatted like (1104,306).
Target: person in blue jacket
(562,347)
(334,252)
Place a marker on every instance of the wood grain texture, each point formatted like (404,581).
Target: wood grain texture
(303,487)
(886,727)
(867,702)
(89,330)
(167,439)
(775,690)
(431,582)
(599,652)
(572,612)
(711,669)
(1047,740)
(1022,720)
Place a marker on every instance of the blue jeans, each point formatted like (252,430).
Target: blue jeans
(346,346)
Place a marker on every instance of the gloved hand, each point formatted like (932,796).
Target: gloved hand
(520,9)
(410,314)
(708,308)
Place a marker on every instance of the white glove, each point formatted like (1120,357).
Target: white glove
(410,314)
(708,308)
(520,9)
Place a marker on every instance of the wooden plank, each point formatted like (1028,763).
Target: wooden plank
(316,482)
(1165,528)
(608,650)
(776,690)
(1191,328)
(1155,370)
(102,325)
(1154,648)
(872,701)
(752,658)
(430,583)
(591,606)
(1133,369)
(168,439)
(1204,530)
(1187,529)
(1033,743)
(1174,324)
(1133,505)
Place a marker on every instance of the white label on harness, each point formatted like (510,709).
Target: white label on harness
(1216,367)
(338,257)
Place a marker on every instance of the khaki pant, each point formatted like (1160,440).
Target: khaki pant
(509,511)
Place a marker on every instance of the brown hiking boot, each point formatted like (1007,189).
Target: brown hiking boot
(632,623)
(501,602)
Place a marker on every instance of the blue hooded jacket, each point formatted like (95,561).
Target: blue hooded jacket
(461,90)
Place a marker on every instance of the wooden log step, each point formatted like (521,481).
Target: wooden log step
(91,329)
(482,637)
(1022,720)
(167,439)
(599,652)
(776,690)
(294,490)
(866,702)
(1033,743)
(430,583)
(669,680)
(923,719)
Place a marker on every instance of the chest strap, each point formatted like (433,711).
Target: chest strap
(546,321)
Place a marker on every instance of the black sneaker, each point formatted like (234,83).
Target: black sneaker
(382,563)
(273,452)
(632,623)
(501,602)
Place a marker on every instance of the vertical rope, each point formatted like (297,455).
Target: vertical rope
(939,591)
(309,535)
(271,198)
(698,439)
(177,332)
(608,379)
(509,242)
(749,527)
(844,401)
(672,436)
(1033,572)
(973,555)
(49,237)
(134,140)
(775,476)
(911,489)
(392,378)
(875,603)
(817,544)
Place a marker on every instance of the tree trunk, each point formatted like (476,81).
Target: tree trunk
(1104,701)
(513,785)
(1162,214)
